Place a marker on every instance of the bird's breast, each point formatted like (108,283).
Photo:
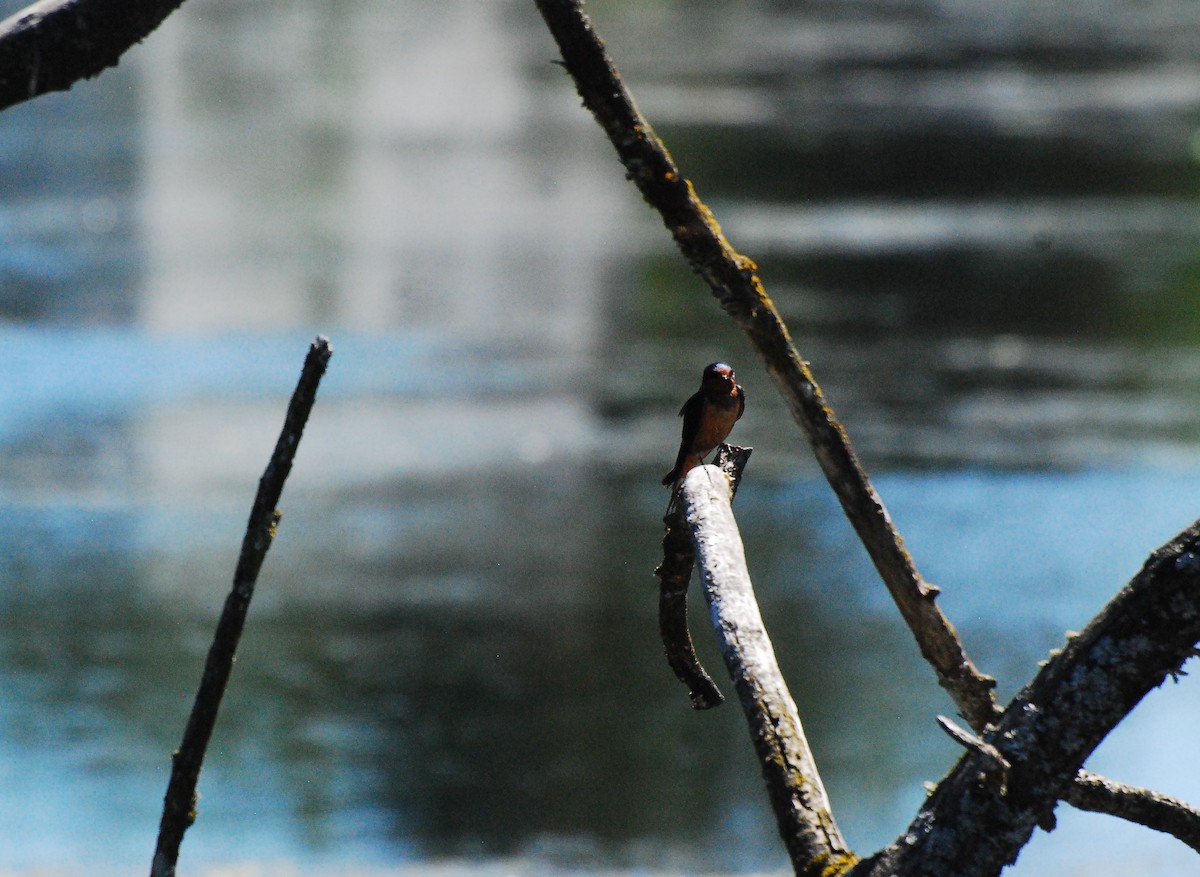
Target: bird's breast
(716,422)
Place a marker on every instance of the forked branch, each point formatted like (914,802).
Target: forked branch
(1140,638)
(798,797)
(675,574)
(733,281)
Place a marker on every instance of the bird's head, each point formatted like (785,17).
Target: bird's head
(718,377)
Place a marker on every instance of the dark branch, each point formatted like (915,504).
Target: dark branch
(179,804)
(51,45)
(802,811)
(1141,637)
(733,281)
(675,574)
(1143,806)
(996,765)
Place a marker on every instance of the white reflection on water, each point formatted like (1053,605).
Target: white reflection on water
(1093,226)
(380,168)
(1010,100)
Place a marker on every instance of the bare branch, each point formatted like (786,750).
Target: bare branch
(1142,636)
(997,765)
(733,281)
(1144,806)
(802,810)
(51,45)
(179,804)
(675,573)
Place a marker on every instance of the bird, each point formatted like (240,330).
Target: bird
(708,417)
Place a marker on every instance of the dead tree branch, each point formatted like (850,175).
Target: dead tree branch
(802,809)
(675,573)
(179,804)
(1144,806)
(733,281)
(51,45)
(1141,637)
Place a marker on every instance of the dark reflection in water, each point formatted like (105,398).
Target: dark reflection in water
(509,707)
(476,715)
(978,220)
(479,717)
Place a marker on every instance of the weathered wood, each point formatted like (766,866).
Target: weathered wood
(798,797)
(973,827)
(675,574)
(1144,806)
(734,281)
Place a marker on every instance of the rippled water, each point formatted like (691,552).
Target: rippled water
(980,223)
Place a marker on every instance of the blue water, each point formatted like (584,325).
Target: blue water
(979,225)
(99,671)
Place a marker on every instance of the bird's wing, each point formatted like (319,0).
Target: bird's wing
(690,412)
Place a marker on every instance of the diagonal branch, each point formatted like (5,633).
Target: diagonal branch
(802,811)
(179,804)
(733,281)
(737,287)
(51,45)
(1143,635)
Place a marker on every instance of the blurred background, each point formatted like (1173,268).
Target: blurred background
(979,218)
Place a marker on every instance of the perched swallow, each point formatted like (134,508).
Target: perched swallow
(708,418)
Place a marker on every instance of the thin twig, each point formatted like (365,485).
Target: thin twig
(997,766)
(179,804)
(1144,806)
(740,292)
(798,797)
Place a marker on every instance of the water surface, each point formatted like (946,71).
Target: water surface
(980,224)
